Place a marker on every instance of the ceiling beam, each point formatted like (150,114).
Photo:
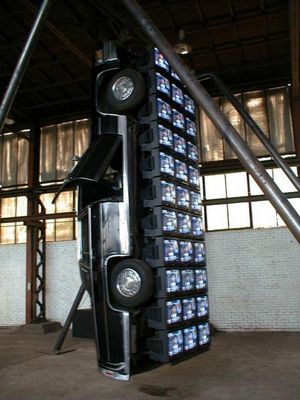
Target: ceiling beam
(58,33)
(294,26)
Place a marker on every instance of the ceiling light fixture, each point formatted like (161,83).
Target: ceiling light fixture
(182,47)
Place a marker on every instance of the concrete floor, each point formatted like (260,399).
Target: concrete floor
(239,366)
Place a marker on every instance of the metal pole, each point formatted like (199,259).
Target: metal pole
(63,333)
(245,155)
(23,61)
(253,125)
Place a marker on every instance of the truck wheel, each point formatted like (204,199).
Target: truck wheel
(125,90)
(131,282)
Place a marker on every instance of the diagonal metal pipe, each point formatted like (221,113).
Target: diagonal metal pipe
(253,125)
(23,61)
(245,155)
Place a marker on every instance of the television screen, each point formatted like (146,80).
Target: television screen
(171,251)
(185,251)
(164,110)
(174,75)
(199,252)
(203,333)
(162,84)
(195,201)
(179,144)
(197,226)
(184,223)
(190,338)
(168,192)
(165,136)
(175,343)
(183,196)
(190,127)
(169,221)
(188,308)
(160,60)
(181,170)
(194,176)
(172,280)
(178,119)
(192,151)
(200,278)
(202,306)
(166,164)
(177,94)
(173,311)
(189,104)
(187,281)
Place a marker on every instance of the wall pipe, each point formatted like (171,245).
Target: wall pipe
(245,155)
(23,62)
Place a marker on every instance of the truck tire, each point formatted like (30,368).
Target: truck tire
(125,91)
(131,282)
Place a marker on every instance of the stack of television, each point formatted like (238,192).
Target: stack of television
(172,218)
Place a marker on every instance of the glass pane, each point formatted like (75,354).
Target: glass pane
(21,206)
(211,140)
(254,188)
(236,184)
(8,207)
(47,202)
(64,229)
(236,120)
(50,230)
(215,187)
(283,182)
(9,160)
(217,217)
(23,152)
(264,214)
(255,104)
(239,216)
(64,203)
(296,204)
(281,132)
(21,232)
(64,149)
(48,154)
(8,233)
(82,136)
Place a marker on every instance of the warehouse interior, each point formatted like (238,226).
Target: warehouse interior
(252,257)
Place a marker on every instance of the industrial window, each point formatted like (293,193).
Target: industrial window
(58,229)
(269,108)
(59,143)
(13,232)
(14,159)
(234,201)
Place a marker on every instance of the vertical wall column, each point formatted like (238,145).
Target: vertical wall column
(35,244)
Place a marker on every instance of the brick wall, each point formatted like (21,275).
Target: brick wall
(12,284)
(63,280)
(254,280)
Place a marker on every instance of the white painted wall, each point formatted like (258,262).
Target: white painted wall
(63,280)
(254,280)
(12,284)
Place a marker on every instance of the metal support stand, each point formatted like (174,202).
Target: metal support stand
(63,333)
(280,161)
(23,61)
(243,152)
